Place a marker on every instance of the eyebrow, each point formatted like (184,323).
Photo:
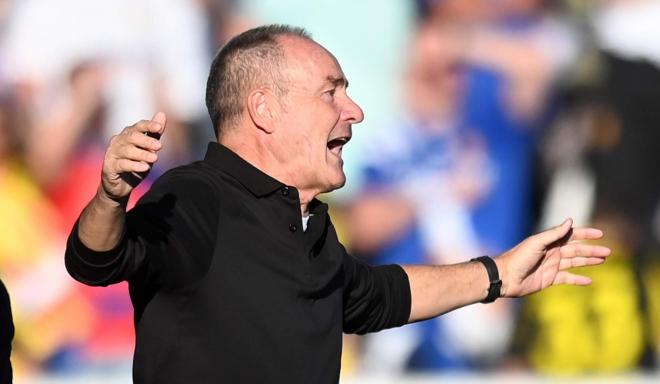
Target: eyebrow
(337,81)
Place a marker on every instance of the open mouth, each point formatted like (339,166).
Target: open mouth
(335,145)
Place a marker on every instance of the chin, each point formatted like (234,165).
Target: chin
(336,182)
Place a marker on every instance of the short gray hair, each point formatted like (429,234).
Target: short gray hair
(251,59)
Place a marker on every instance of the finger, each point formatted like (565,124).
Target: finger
(160,119)
(157,126)
(133,153)
(145,127)
(125,165)
(143,141)
(580,262)
(141,126)
(564,277)
(586,234)
(584,250)
(551,235)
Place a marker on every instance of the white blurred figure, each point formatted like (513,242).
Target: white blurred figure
(148,55)
(629,28)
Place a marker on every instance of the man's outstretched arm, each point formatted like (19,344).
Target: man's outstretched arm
(128,159)
(536,263)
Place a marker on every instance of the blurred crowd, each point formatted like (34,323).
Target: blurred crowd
(509,115)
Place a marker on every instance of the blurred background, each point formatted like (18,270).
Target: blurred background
(486,120)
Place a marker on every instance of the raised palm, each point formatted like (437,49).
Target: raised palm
(542,260)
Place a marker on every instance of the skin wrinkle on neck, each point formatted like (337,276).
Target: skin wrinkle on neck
(249,152)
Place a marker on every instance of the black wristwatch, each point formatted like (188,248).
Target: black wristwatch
(495,283)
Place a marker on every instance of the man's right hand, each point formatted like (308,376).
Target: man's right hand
(130,156)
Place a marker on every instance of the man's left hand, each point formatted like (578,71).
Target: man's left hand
(542,260)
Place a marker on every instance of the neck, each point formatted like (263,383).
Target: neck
(261,158)
(304,209)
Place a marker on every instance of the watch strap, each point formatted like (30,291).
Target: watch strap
(495,287)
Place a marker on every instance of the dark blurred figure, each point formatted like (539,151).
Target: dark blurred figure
(626,158)
(603,153)
(6,335)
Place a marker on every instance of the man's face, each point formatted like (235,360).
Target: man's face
(315,117)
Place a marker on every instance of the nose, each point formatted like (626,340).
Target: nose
(352,112)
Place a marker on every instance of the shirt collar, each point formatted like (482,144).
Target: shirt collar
(257,182)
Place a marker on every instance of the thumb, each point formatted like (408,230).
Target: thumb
(554,234)
(161,119)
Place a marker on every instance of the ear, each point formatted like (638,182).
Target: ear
(260,107)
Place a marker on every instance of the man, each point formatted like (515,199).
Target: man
(235,270)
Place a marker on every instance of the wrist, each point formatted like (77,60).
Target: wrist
(495,283)
(504,276)
(107,200)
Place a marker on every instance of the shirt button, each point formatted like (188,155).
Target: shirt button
(285,191)
(293,227)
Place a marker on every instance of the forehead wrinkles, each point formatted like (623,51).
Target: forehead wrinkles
(308,64)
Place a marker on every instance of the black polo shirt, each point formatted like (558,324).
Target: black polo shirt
(228,288)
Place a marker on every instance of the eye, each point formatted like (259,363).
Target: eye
(330,92)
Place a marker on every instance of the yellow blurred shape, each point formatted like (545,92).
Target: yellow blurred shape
(595,329)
